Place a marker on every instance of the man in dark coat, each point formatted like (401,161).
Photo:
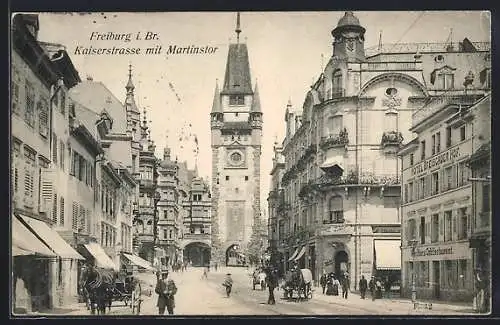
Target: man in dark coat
(363,285)
(345,285)
(371,286)
(272,283)
(166,289)
(322,281)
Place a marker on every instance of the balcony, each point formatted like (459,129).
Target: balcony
(335,140)
(352,178)
(169,242)
(392,138)
(166,222)
(336,217)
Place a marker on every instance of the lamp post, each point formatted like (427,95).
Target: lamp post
(156,199)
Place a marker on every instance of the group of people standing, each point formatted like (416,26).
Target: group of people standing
(331,284)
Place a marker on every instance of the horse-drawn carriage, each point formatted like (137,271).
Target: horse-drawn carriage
(298,282)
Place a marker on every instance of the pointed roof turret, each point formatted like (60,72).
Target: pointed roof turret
(237,78)
(129,100)
(216,105)
(256,100)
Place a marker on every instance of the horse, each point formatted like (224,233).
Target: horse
(299,280)
(97,287)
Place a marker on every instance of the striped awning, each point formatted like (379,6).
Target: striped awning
(101,258)
(292,258)
(24,242)
(301,253)
(136,260)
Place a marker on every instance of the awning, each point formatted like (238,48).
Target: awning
(101,258)
(301,253)
(387,254)
(294,254)
(24,242)
(52,239)
(134,259)
(334,164)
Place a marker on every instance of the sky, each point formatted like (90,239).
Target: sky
(286,49)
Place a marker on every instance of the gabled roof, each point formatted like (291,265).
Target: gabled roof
(237,79)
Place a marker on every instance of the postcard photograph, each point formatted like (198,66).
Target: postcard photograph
(330,163)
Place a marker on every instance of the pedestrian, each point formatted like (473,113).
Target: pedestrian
(272,282)
(345,285)
(371,286)
(215,266)
(322,281)
(480,292)
(205,275)
(378,288)
(166,289)
(363,285)
(228,284)
(387,287)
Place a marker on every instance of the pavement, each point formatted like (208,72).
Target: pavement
(199,296)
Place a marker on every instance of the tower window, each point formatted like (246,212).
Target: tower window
(237,100)
(227,178)
(246,178)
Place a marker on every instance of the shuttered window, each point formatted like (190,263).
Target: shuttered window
(61,210)
(16,153)
(74,216)
(29,177)
(82,225)
(61,154)
(54,209)
(54,148)
(43,116)
(72,162)
(29,111)
(46,190)
(88,221)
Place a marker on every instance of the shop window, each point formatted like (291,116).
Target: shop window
(424,274)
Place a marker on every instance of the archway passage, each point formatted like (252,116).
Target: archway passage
(197,253)
(234,257)
(341,263)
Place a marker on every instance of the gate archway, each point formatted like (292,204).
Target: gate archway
(341,262)
(197,253)
(234,257)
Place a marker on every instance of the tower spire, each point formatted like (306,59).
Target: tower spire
(238,29)
(380,41)
(130,86)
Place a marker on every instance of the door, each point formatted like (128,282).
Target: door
(435,282)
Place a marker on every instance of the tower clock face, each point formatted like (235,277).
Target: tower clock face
(235,158)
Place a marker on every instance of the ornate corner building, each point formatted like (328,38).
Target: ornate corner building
(336,206)
(236,124)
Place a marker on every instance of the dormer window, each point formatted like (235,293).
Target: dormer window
(443,78)
(236,100)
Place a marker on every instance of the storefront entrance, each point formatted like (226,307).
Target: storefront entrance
(436,274)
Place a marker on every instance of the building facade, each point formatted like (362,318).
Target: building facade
(341,183)
(236,124)
(480,238)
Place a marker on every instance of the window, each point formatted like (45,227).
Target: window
(485,202)
(236,100)
(438,142)
(463,174)
(74,216)
(433,148)
(29,176)
(391,121)
(422,230)
(435,228)
(170,234)
(54,210)
(165,214)
(337,84)
(29,113)
(412,229)
(447,226)
(336,210)
(446,80)
(406,193)
(462,273)
(411,159)
(448,137)
(236,157)
(61,210)
(43,117)
(227,178)
(463,222)
(462,133)
(61,154)
(15,165)
(54,149)
(422,188)
(334,125)
(15,90)
(422,150)
(165,234)
(62,105)
(246,178)
(410,192)
(435,183)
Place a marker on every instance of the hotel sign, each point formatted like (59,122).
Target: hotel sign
(436,161)
(431,251)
